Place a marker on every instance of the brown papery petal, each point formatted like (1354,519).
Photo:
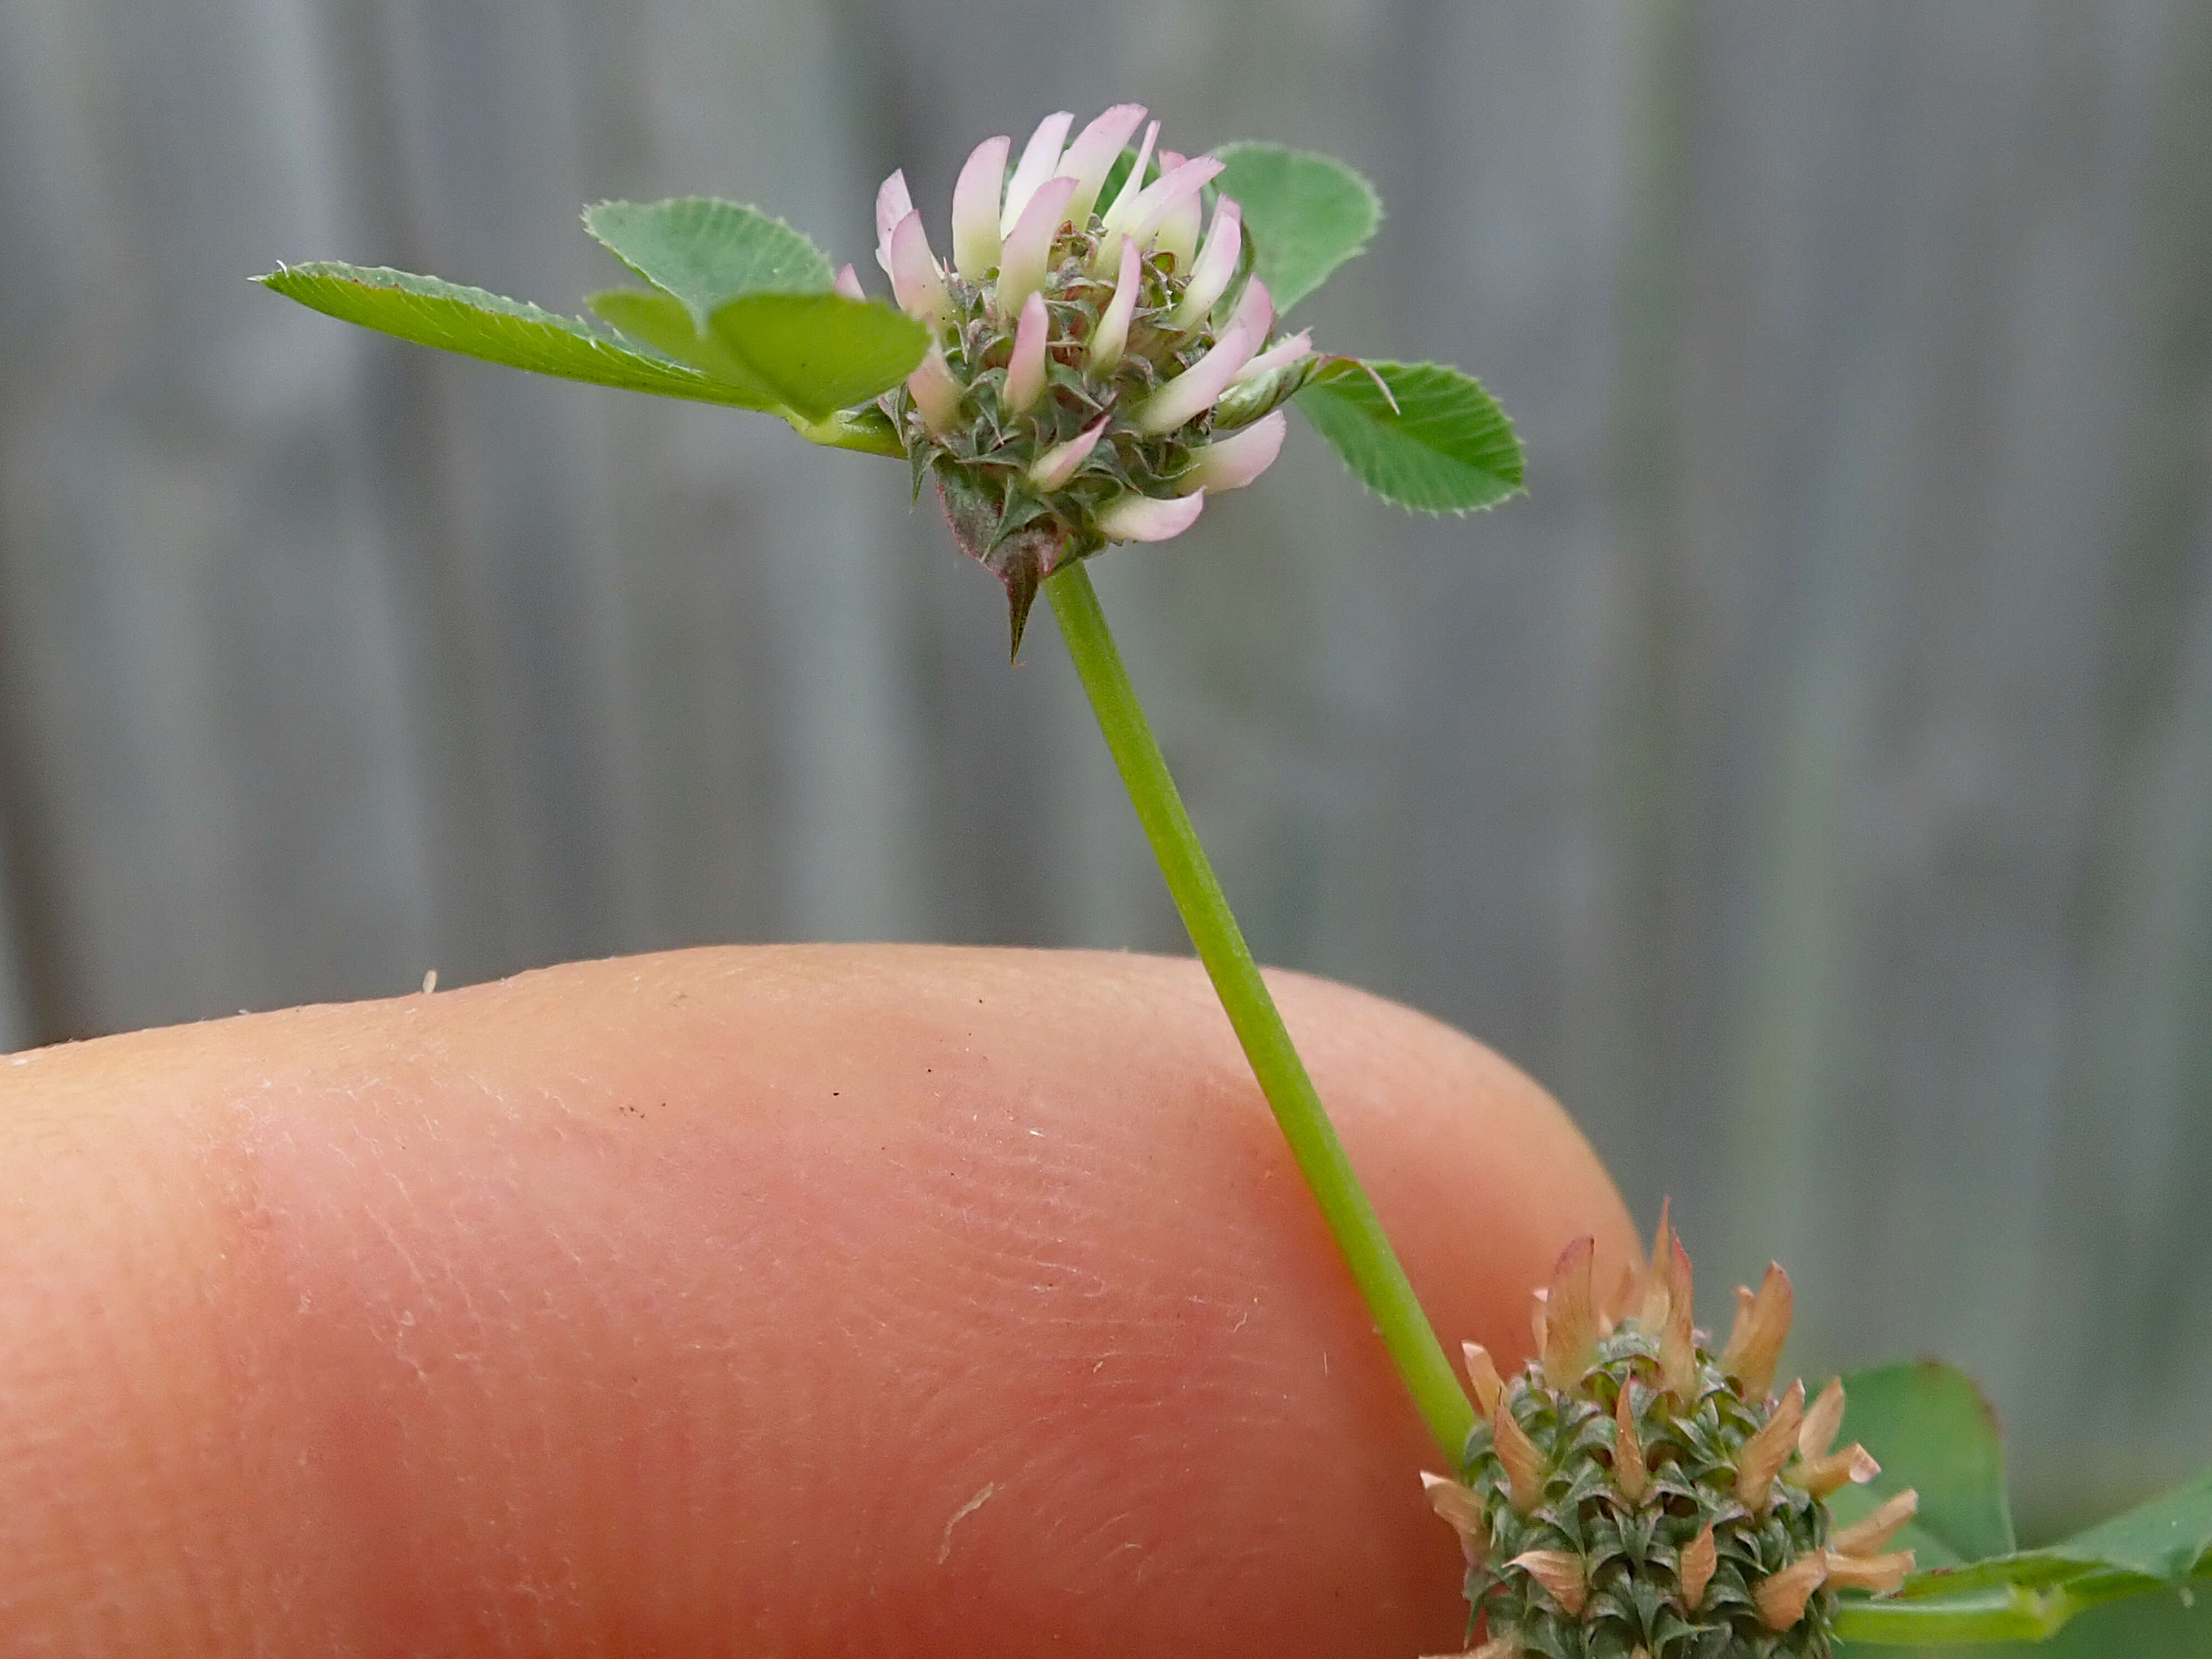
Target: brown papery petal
(1782,1598)
(1571,1316)
(1482,1372)
(1460,1509)
(1629,1473)
(1699,1556)
(1524,1464)
(1883,1574)
(1559,1573)
(1755,1348)
(1822,1419)
(1852,1466)
(1765,1452)
(1867,1537)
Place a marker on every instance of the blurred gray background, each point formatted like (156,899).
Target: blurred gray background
(1811,781)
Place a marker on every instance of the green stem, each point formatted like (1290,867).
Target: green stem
(1314,1145)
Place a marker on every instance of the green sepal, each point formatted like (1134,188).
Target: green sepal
(1241,406)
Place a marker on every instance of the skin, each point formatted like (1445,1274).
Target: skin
(791,1301)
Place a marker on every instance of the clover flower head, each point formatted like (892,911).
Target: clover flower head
(1102,358)
(1631,1494)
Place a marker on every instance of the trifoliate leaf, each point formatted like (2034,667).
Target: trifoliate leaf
(1305,214)
(1446,447)
(477,323)
(708,253)
(663,322)
(819,352)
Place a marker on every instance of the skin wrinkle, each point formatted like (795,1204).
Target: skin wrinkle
(715,1371)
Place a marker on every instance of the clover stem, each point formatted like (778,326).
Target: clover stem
(1290,1091)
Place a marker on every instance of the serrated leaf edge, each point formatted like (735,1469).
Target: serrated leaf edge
(1520,487)
(777,219)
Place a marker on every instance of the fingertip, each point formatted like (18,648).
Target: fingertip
(899,1301)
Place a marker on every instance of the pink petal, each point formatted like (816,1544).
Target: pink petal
(1112,335)
(892,204)
(1255,309)
(1057,464)
(1168,192)
(1231,462)
(937,394)
(1025,373)
(1027,254)
(1192,393)
(916,283)
(1177,234)
(1217,265)
(1142,519)
(1117,217)
(1281,355)
(849,284)
(1039,157)
(1091,157)
(975,210)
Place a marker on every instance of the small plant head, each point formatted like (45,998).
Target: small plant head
(1102,358)
(1631,1494)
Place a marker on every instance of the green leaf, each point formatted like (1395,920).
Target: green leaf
(1305,214)
(2165,1541)
(477,323)
(1446,447)
(663,322)
(810,353)
(2166,1537)
(819,352)
(1931,1429)
(708,253)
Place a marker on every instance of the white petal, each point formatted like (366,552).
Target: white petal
(1119,215)
(1142,519)
(1091,157)
(1232,462)
(1025,373)
(1170,190)
(916,283)
(1040,156)
(975,210)
(1192,393)
(1113,336)
(892,204)
(1255,309)
(1177,235)
(937,394)
(1027,253)
(1057,464)
(1216,266)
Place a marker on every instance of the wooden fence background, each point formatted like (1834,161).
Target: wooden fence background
(1812,781)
